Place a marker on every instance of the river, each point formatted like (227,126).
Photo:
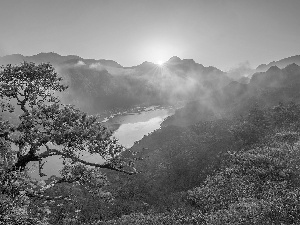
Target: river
(133,126)
(130,126)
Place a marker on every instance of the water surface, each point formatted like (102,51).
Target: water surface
(131,127)
(135,126)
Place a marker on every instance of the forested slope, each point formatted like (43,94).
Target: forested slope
(253,178)
(232,158)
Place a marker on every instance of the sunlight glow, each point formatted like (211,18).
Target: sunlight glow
(157,50)
(160,62)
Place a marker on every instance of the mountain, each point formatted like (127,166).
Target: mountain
(51,57)
(99,85)
(265,89)
(268,89)
(244,80)
(281,63)
(54,59)
(276,77)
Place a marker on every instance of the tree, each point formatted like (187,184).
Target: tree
(259,185)
(45,127)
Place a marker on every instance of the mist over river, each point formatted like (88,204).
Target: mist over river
(129,128)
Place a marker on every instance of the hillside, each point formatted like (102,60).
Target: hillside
(99,85)
(230,156)
(280,63)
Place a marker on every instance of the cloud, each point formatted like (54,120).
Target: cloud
(80,63)
(97,66)
(243,69)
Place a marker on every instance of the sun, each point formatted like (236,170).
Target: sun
(160,62)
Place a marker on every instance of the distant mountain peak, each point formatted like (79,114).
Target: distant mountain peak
(273,69)
(281,63)
(191,61)
(174,59)
(109,62)
(143,66)
(12,55)
(47,53)
(146,63)
(292,66)
(261,67)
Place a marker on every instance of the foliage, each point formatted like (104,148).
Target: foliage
(44,123)
(46,128)
(176,159)
(255,183)
(258,186)
(225,171)
(178,216)
(252,128)
(15,203)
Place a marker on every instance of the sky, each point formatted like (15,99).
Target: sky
(220,33)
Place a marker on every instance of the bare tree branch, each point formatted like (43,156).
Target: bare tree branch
(51,152)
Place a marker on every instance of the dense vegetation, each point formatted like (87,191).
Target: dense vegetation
(37,127)
(238,169)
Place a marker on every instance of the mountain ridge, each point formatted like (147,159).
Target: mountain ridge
(280,63)
(50,57)
(98,85)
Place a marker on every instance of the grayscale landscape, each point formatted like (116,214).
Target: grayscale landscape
(149,112)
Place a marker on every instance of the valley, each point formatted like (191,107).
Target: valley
(189,132)
(139,112)
(128,127)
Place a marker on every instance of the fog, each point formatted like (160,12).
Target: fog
(104,86)
(95,87)
(243,69)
